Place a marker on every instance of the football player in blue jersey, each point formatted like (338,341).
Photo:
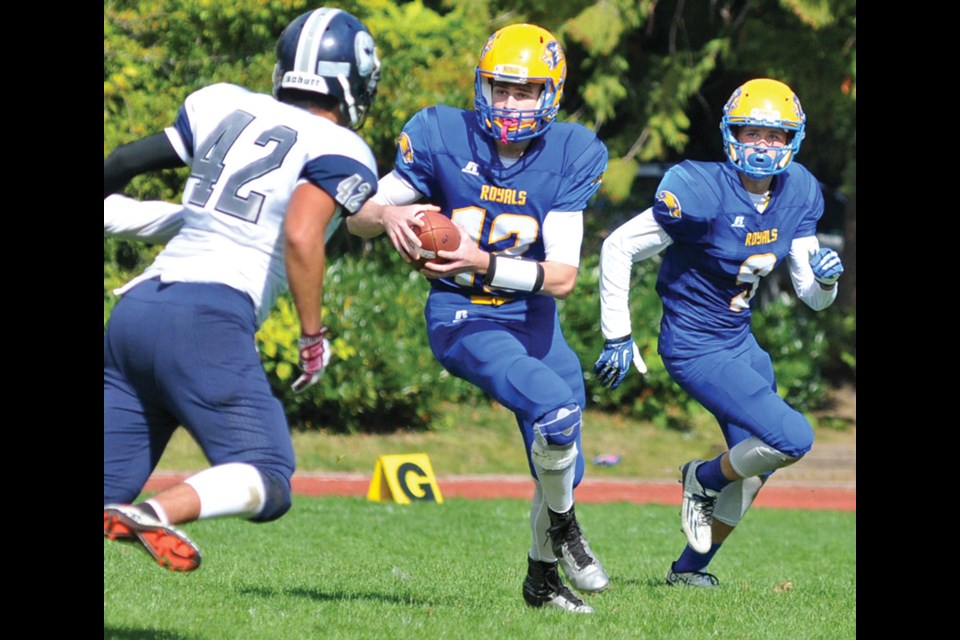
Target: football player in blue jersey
(270,176)
(516,182)
(725,225)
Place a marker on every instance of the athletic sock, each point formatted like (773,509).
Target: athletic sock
(710,475)
(690,561)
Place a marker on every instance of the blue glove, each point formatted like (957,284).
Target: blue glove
(314,356)
(614,361)
(826,266)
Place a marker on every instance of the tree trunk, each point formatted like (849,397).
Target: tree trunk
(848,283)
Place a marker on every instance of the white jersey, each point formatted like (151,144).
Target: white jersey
(247,153)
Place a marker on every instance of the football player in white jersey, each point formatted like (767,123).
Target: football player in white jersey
(269,177)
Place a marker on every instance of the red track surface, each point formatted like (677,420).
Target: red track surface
(788,496)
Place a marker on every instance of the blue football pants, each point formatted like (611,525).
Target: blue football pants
(515,352)
(739,388)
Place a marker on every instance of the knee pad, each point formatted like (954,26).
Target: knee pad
(555,434)
(736,498)
(552,458)
(242,490)
(231,489)
(753,457)
(558,428)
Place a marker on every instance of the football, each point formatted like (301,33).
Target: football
(439,233)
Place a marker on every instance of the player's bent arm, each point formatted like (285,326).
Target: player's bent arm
(637,239)
(308,213)
(149,221)
(130,160)
(384,211)
(555,276)
(559,279)
(801,275)
(562,239)
(368,222)
(391,210)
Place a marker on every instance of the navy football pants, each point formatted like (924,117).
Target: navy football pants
(184,354)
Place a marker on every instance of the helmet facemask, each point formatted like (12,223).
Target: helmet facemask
(512,125)
(762,103)
(519,54)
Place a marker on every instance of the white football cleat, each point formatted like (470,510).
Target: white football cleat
(696,508)
(700,579)
(169,547)
(578,562)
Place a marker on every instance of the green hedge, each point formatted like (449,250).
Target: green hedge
(383,376)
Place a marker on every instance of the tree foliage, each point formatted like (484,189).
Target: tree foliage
(649,76)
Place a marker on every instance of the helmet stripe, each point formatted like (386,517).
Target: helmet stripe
(311,37)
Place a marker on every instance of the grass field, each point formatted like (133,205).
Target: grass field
(350,569)
(485,440)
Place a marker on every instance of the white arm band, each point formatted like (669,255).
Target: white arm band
(801,274)
(515,274)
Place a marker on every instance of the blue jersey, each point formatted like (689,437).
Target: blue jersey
(445,155)
(721,248)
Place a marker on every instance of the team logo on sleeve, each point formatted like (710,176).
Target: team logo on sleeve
(671,202)
(406,148)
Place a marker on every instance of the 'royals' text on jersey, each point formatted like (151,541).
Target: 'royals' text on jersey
(722,247)
(444,154)
(247,152)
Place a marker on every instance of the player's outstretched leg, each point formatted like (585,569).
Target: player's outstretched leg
(168,546)
(543,587)
(580,565)
(696,508)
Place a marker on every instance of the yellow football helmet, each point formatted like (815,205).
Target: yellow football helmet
(520,53)
(762,103)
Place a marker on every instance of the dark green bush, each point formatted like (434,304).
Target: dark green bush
(383,376)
